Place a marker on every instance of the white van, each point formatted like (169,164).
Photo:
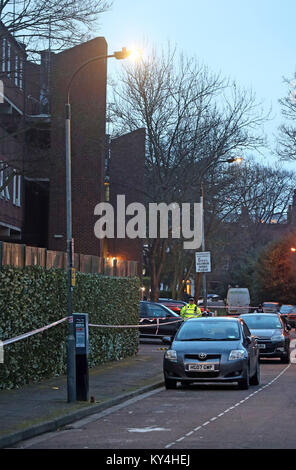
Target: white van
(238,300)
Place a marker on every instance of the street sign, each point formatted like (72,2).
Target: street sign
(203,262)
(73,282)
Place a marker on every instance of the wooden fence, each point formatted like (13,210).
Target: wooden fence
(14,254)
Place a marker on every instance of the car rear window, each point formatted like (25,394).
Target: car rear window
(262,322)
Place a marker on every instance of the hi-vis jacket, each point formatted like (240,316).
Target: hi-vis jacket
(190,311)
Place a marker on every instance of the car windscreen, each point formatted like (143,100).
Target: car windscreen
(205,330)
(262,322)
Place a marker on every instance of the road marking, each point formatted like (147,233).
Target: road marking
(228,409)
(148,429)
(83,422)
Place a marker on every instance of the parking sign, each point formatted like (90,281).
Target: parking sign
(203,262)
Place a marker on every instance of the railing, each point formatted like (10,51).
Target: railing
(19,255)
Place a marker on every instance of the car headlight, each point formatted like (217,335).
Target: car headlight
(277,338)
(171,355)
(236,354)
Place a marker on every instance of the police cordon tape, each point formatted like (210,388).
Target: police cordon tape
(39,330)
(139,326)
(31,333)
(136,326)
(227,306)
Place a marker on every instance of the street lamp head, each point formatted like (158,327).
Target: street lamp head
(234,160)
(293,250)
(123,54)
(133,54)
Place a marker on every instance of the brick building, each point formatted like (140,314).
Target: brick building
(19,92)
(126,171)
(32,120)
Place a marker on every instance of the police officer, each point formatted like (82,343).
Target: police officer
(191,310)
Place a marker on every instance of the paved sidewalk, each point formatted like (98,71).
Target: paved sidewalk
(43,407)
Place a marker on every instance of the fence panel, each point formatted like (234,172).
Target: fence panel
(12,254)
(35,256)
(56,259)
(133,268)
(15,254)
(108,268)
(101,265)
(121,268)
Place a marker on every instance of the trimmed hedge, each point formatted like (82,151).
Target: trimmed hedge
(33,297)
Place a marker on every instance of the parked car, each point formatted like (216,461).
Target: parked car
(210,297)
(157,320)
(285,310)
(177,305)
(214,349)
(272,334)
(238,300)
(174,305)
(271,307)
(291,320)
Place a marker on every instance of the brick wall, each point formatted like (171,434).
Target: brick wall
(88,103)
(127,177)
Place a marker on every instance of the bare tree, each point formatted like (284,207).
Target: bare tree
(60,23)
(194,120)
(286,148)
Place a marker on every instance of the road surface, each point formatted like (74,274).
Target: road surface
(196,417)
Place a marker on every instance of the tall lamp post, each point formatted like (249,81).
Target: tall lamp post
(203,244)
(71,366)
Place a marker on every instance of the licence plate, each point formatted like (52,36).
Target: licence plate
(201,367)
(262,346)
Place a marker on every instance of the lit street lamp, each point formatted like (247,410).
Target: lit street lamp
(71,372)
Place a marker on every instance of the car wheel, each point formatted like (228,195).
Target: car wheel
(244,383)
(285,359)
(170,384)
(255,380)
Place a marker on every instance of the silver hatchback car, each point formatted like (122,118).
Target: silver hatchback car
(213,349)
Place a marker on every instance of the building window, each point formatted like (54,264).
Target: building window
(16,72)
(21,73)
(3,54)
(8,58)
(4,193)
(17,190)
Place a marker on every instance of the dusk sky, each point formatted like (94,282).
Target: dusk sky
(251,41)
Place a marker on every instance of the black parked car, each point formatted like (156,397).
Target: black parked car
(174,305)
(213,349)
(272,334)
(158,320)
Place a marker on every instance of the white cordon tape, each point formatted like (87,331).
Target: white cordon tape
(31,333)
(229,307)
(136,326)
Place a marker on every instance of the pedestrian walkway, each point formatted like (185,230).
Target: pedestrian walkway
(43,407)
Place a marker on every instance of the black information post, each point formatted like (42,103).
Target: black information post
(81,351)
